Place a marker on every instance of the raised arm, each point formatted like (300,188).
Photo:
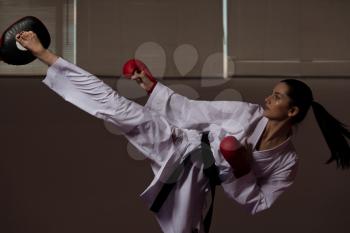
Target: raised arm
(184,112)
(198,114)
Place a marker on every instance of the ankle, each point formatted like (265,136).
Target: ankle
(41,52)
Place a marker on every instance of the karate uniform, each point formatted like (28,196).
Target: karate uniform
(168,130)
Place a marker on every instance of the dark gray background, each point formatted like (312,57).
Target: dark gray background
(62,171)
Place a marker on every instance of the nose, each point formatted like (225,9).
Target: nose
(267,99)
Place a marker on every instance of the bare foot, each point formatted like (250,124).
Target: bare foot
(30,41)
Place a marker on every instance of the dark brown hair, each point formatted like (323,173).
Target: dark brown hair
(334,131)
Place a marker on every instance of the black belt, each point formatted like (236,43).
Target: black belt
(210,171)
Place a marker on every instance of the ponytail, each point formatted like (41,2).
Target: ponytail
(335,134)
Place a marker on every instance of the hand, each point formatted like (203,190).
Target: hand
(137,70)
(236,155)
(241,163)
(143,80)
(30,41)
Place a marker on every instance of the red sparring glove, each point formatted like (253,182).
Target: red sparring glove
(13,53)
(134,65)
(236,155)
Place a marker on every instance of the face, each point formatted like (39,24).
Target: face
(277,104)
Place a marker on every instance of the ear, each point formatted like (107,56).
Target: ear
(293,111)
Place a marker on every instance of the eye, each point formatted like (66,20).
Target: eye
(275,96)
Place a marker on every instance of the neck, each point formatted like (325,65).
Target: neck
(277,131)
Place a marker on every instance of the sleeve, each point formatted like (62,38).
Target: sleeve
(149,133)
(257,196)
(197,114)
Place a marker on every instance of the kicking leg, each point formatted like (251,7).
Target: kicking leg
(149,132)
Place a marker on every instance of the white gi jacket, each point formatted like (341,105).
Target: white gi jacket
(168,128)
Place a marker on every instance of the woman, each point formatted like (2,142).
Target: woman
(169,129)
